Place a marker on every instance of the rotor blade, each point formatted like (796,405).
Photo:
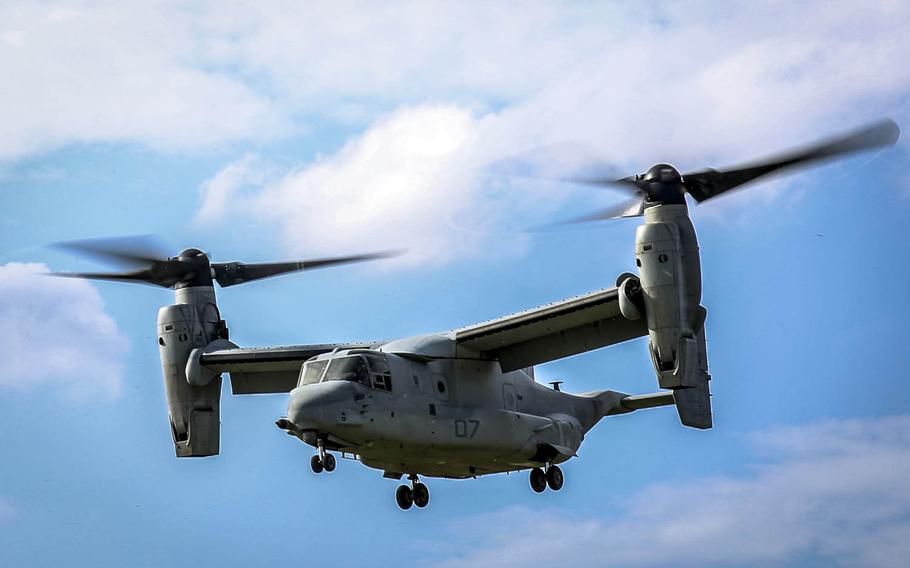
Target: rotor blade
(139,250)
(710,183)
(231,273)
(565,161)
(140,277)
(622,210)
(627,184)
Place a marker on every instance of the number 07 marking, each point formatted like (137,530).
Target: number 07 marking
(466,428)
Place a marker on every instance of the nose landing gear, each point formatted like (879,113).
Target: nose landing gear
(552,478)
(323,460)
(417,494)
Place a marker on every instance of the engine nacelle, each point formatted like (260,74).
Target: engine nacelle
(194,409)
(670,276)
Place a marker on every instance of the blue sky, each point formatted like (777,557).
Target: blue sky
(262,132)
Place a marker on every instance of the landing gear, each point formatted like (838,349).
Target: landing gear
(417,494)
(405,497)
(538,480)
(323,461)
(551,478)
(555,478)
(421,495)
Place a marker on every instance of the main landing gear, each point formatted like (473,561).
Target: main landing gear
(551,478)
(416,494)
(323,461)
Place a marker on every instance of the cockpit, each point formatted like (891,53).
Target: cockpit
(369,369)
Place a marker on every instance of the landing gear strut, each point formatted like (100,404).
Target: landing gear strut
(323,460)
(552,478)
(416,494)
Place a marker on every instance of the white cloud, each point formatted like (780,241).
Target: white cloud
(221,193)
(183,77)
(408,51)
(683,81)
(410,181)
(124,72)
(834,490)
(55,332)
(693,84)
(696,86)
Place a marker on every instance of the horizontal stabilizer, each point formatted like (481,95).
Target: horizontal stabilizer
(612,402)
(640,401)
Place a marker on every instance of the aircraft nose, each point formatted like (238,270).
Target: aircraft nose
(313,406)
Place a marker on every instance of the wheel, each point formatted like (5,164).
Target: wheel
(421,495)
(405,497)
(316,464)
(555,478)
(329,462)
(538,480)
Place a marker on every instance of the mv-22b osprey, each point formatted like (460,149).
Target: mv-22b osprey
(463,403)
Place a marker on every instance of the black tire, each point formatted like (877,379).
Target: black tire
(421,495)
(555,478)
(405,497)
(538,480)
(329,463)
(316,464)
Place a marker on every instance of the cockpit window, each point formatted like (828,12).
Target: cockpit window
(348,369)
(382,375)
(311,372)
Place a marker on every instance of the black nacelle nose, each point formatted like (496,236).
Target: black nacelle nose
(662,184)
(663,173)
(191,253)
(196,268)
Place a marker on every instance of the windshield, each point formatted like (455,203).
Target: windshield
(348,369)
(311,372)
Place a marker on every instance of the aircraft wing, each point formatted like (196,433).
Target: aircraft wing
(266,370)
(554,331)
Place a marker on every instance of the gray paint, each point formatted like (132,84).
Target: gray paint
(463,403)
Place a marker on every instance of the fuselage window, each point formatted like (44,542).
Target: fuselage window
(382,375)
(348,369)
(312,372)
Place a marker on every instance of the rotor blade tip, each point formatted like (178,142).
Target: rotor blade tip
(391,253)
(891,130)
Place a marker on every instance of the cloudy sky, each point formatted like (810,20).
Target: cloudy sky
(274,130)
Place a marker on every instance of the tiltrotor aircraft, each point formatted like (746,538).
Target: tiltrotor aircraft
(462,403)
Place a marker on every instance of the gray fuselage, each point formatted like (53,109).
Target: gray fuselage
(440,416)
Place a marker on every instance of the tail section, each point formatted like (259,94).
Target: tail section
(692,404)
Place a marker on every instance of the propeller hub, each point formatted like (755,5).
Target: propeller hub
(191,253)
(663,173)
(662,184)
(195,268)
